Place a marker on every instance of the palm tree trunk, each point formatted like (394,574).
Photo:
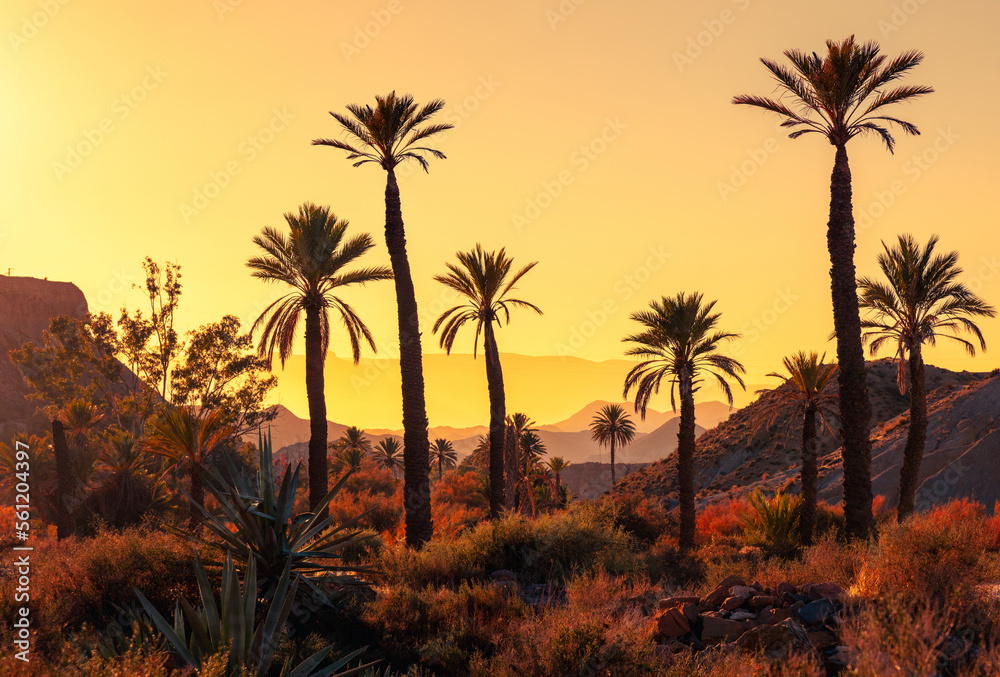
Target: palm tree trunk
(316,397)
(64,480)
(855,409)
(440,468)
(416,483)
(198,497)
(807,518)
(498,414)
(559,490)
(916,436)
(685,465)
(510,469)
(612,461)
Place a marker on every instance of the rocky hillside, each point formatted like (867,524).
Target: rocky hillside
(731,458)
(26,306)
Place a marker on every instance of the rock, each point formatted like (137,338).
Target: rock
(822,639)
(690,612)
(742,615)
(730,581)
(840,658)
(731,603)
(715,598)
(829,590)
(715,630)
(775,641)
(503,575)
(742,591)
(671,623)
(816,612)
(762,601)
(678,600)
(773,616)
(509,586)
(783,588)
(757,586)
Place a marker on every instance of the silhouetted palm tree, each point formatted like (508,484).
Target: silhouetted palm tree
(920,300)
(840,96)
(484,279)
(557,464)
(187,438)
(389,454)
(350,449)
(387,135)
(517,425)
(443,453)
(313,260)
(810,394)
(680,342)
(612,427)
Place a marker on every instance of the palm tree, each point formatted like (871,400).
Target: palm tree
(680,342)
(920,300)
(484,279)
(187,437)
(389,454)
(612,426)
(312,259)
(388,135)
(557,464)
(353,438)
(443,453)
(841,96)
(517,426)
(807,391)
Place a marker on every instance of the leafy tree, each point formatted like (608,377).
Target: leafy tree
(392,132)
(840,96)
(920,300)
(484,280)
(680,341)
(807,391)
(313,260)
(612,427)
(443,454)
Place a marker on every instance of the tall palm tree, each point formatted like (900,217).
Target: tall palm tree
(517,426)
(187,437)
(387,135)
(680,342)
(389,454)
(557,464)
(443,453)
(485,279)
(920,300)
(840,96)
(807,390)
(312,259)
(612,427)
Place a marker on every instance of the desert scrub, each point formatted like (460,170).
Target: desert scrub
(548,549)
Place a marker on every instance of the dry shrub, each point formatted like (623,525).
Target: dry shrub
(641,516)
(69,663)
(940,555)
(722,520)
(382,513)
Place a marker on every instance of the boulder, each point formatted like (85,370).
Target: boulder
(783,588)
(742,591)
(775,641)
(762,601)
(829,590)
(772,616)
(671,623)
(742,615)
(690,612)
(822,639)
(731,603)
(716,630)
(816,612)
(678,600)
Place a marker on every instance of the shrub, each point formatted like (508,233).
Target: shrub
(721,520)
(774,523)
(641,516)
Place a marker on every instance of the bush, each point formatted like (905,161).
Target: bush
(638,515)
(774,523)
(721,520)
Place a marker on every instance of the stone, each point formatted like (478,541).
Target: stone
(715,630)
(503,575)
(690,612)
(509,586)
(783,588)
(715,598)
(731,603)
(840,658)
(756,585)
(742,591)
(678,600)
(671,623)
(772,616)
(775,641)
(816,612)
(730,581)
(762,601)
(829,590)
(822,639)
(742,615)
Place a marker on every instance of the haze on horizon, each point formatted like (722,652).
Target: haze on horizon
(598,141)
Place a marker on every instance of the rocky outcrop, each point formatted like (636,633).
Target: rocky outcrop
(26,306)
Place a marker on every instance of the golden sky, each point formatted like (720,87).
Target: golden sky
(595,137)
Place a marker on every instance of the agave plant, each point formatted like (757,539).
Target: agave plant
(257,525)
(231,624)
(774,523)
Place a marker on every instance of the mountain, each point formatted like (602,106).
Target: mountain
(655,446)
(708,414)
(733,458)
(590,480)
(26,306)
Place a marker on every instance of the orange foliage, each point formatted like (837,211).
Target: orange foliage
(721,520)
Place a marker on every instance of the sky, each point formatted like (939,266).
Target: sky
(594,137)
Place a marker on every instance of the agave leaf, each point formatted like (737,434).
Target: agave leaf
(177,643)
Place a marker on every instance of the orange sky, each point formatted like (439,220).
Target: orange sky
(619,109)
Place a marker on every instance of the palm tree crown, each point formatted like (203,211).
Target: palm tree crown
(389,454)
(312,259)
(611,425)
(920,300)
(811,379)
(841,95)
(443,454)
(388,133)
(680,342)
